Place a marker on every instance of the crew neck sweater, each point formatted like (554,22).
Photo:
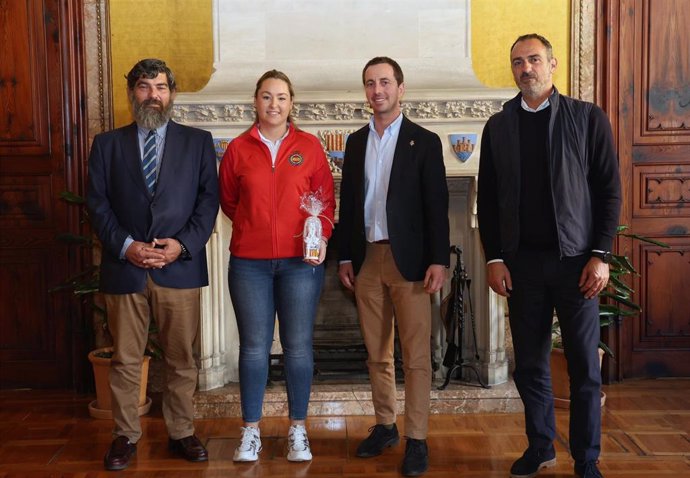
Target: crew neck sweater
(537,220)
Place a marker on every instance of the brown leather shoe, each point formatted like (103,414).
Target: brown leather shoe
(190,448)
(120,453)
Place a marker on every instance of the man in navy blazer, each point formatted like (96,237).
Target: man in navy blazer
(153,201)
(393,236)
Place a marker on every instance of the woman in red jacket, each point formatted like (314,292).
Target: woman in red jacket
(263,176)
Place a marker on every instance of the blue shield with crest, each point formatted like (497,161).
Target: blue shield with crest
(463,145)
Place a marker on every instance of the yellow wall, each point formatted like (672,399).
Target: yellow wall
(497,23)
(176,31)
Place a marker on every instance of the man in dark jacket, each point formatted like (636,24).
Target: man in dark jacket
(153,200)
(548,207)
(394,249)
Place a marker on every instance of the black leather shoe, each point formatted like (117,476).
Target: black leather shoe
(533,460)
(588,470)
(119,454)
(416,460)
(190,448)
(379,438)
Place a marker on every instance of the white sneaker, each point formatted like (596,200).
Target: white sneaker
(298,444)
(250,445)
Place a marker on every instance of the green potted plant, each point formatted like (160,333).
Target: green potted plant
(616,300)
(84,285)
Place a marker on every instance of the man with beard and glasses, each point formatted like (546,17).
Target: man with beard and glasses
(153,201)
(548,204)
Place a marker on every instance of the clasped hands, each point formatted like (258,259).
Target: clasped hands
(155,254)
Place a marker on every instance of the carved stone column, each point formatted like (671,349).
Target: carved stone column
(489,316)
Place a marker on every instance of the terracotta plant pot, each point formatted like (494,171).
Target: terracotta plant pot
(101,407)
(560,381)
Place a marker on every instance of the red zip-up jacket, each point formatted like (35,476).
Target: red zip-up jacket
(263,201)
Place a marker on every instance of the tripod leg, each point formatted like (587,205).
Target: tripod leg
(479,378)
(449,375)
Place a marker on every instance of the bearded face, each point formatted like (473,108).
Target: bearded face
(532,68)
(151,113)
(532,85)
(152,101)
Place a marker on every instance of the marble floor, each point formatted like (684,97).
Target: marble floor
(345,399)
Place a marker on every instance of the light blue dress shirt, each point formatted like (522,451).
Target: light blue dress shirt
(142,133)
(377,174)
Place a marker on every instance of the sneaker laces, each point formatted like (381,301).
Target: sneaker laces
(249,438)
(298,438)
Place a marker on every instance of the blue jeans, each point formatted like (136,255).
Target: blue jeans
(260,288)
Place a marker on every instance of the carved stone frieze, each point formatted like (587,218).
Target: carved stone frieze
(330,111)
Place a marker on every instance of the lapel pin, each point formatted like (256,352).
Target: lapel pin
(412,143)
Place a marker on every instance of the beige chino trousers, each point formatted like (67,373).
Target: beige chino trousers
(177,314)
(384,296)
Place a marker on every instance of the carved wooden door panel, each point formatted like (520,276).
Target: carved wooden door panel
(648,74)
(36,125)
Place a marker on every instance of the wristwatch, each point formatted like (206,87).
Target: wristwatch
(604,256)
(184,253)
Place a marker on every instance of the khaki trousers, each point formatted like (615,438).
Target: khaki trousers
(177,314)
(381,292)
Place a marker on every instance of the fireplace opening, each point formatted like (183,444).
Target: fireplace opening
(339,351)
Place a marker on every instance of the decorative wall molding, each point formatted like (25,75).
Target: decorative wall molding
(333,111)
(583,44)
(662,193)
(667,190)
(98,80)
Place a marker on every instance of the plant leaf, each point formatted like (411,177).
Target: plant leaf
(606,349)
(615,295)
(645,239)
(619,284)
(72,197)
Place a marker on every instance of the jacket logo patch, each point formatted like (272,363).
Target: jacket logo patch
(296,159)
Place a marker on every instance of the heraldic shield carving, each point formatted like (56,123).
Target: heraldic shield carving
(463,145)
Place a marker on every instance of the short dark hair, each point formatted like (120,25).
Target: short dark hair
(535,36)
(150,68)
(378,60)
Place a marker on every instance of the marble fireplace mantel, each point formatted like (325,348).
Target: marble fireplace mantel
(442,94)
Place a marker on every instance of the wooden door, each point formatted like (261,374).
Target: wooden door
(644,83)
(41,154)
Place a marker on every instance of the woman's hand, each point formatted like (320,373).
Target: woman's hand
(322,253)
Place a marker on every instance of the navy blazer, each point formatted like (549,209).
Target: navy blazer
(416,204)
(184,206)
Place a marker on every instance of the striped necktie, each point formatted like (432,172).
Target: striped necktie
(149,162)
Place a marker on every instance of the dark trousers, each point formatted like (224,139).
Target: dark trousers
(543,281)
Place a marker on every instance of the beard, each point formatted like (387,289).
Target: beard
(149,117)
(533,89)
